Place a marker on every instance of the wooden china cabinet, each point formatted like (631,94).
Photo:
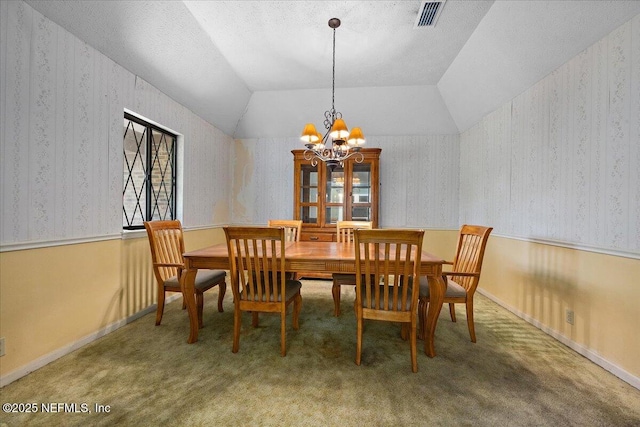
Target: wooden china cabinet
(323,196)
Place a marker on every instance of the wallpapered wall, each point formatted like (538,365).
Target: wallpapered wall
(61,124)
(418,177)
(559,162)
(263,179)
(562,160)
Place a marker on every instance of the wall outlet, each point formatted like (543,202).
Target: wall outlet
(569,316)
(1,346)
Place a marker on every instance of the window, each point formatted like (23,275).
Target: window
(149,173)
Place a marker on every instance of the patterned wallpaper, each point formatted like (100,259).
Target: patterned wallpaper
(61,125)
(263,179)
(418,177)
(561,161)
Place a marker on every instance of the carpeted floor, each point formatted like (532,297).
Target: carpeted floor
(514,375)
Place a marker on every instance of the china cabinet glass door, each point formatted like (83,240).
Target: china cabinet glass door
(335,195)
(360,192)
(309,194)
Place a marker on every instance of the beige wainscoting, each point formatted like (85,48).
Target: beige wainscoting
(58,298)
(540,282)
(55,299)
(441,243)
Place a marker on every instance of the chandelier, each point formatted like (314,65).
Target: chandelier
(343,144)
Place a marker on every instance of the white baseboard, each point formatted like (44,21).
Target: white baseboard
(63,351)
(578,348)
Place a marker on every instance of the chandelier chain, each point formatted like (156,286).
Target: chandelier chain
(333,80)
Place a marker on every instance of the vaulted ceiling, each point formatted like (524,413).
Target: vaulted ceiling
(263,68)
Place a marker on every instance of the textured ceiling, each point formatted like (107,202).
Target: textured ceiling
(214,57)
(288,45)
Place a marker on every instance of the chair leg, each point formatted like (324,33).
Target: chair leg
(200,305)
(160,309)
(254,319)
(470,324)
(423,305)
(414,343)
(222,289)
(359,340)
(421,317)
(297,306)
(452,311)
(404,331)
(283,333)
(237,319)
(335,290)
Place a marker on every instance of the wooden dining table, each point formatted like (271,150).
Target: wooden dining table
(322,257)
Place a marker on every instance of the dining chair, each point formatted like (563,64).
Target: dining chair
(258,280)
(394,257)
(292,232)
(166,240)
(344,231)
(462,280)
(292,228)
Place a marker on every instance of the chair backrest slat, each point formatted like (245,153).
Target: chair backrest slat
(472,242)
(345,229)
(272,283)
(387,265)
(257,262)
(167,246)
(292,228)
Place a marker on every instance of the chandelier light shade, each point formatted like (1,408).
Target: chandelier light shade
(343,144)
(356,138)
(339,130)
(310,134)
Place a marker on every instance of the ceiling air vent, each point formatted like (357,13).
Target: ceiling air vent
(428,13)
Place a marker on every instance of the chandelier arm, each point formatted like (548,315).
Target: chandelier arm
(311,156)
(324,155)
(359,157)
(329,154)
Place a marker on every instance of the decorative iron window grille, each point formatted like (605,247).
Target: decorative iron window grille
(149,174)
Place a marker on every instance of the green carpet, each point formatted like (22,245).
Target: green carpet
(515,375)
